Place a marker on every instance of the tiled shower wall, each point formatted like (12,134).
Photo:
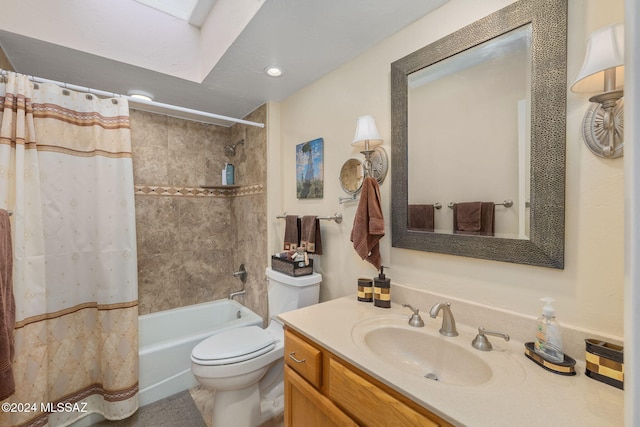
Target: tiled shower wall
(191,238)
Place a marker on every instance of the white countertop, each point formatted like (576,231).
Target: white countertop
(537,397)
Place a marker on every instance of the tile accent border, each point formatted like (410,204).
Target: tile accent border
(160,190)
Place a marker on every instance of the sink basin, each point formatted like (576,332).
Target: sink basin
(427,356)
(423,352)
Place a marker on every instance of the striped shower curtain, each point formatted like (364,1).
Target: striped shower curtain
(66,173)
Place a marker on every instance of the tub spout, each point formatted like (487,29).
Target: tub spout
(237,293)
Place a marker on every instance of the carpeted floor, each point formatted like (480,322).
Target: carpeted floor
(178,410)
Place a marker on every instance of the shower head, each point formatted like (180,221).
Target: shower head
(231,149)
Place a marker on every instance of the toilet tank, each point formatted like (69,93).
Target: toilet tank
(288,293)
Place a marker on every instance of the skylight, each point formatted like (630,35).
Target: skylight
(179,8)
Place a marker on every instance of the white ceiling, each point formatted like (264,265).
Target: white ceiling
(216,67)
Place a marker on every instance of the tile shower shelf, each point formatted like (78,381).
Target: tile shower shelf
(204,191)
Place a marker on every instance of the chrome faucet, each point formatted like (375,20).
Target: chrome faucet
(415,320)
(448,328)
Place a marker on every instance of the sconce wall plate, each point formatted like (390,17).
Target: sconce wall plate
(603,67)
(379,164)
(595,134)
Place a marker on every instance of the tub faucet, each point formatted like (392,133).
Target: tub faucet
(448,328)
(237,293)
(241,274)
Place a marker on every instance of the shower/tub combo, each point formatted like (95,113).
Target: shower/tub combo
(167,337)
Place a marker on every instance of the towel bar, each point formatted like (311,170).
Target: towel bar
(337,217)
(507,204)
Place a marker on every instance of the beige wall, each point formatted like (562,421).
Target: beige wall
(191,239)
(589,291)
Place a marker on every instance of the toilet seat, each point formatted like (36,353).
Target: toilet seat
(233,346)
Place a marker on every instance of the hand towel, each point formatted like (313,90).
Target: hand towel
(291,232)
(7,308)
(467,216)
(310,238)
(421,217)
(368,224)
(474,218)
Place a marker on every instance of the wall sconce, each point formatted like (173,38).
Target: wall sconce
(603,68)
(367,137)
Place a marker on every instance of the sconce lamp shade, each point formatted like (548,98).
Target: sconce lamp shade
(367,134)
(605,50)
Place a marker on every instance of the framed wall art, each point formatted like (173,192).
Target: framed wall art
(310,169)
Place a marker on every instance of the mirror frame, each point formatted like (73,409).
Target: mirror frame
(545,246)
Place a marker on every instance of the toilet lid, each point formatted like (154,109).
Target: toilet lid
(234,345)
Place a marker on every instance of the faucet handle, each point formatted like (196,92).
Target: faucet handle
(481,342)
(415,320)
(415,310)
(241,274)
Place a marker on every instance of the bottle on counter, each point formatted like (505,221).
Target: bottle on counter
(365,290)
(382,290)
(548,342)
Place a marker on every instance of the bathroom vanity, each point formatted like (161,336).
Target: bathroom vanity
(349,363)
(321,389)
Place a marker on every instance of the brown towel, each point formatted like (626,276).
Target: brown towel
(421,217)
(467,216)
(310,238)
(291,232)
(368,224)
(474,218)
(7,308)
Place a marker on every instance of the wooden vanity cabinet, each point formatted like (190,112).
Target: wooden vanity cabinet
(323,390)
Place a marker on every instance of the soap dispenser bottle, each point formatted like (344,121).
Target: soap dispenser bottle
(548,342)
(382,290)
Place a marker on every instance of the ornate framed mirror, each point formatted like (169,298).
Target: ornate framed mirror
(522,152)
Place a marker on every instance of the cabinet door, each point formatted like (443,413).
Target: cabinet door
(303,357)
(368,403)
(305,406)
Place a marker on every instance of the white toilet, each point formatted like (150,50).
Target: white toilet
(245,365)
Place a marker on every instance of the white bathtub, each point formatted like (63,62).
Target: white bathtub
(166,339)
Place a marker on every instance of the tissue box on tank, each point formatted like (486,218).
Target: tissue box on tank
(291,268)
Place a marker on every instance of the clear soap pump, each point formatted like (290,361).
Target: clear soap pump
(548,342)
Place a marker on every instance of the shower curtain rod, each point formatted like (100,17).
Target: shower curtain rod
(150,106)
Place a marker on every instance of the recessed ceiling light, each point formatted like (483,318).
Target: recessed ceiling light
(140,94)
(274,71)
